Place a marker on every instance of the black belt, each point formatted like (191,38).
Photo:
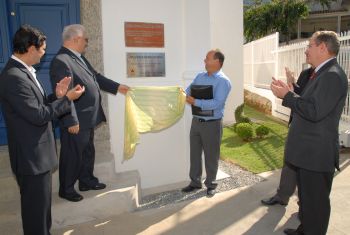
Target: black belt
(209,120)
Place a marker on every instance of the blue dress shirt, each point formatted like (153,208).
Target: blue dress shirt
(221,88)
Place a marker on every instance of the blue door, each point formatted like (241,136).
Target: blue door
(48,16)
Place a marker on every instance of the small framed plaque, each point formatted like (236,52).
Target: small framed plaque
(145,64)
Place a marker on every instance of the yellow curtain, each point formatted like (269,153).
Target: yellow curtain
(150,109)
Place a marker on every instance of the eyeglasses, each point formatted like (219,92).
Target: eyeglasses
(311,45)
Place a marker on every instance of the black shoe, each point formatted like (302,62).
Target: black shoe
(190,188)
(73,197)
(298,231)
(272,201)
(211,192)
(98,186)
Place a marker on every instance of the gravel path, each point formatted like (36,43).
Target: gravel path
(238,178)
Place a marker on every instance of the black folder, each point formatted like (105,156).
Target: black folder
(203,92)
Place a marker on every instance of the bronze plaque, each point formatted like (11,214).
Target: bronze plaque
(138,34)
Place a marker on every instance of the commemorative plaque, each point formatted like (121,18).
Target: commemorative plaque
(145,64)
(139,34)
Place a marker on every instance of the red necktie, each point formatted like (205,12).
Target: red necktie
(313,75)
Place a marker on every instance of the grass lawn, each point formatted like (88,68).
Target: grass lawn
(258,155)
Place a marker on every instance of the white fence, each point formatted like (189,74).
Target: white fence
(264,58)
(260,62)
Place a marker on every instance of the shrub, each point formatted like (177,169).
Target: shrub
(235,127)
(244,131)
(239,115)
(245,119)
(262,131)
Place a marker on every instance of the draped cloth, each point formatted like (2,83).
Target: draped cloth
(150,109)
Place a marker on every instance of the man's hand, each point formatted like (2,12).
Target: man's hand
(279,88)
(73,129)
(290,76)
(75,92)
(123,89)
(62,87)
(190,100)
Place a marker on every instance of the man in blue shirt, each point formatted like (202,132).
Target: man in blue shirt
(206,131)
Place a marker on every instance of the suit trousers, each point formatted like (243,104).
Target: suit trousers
(314,189)
(205,136)
(35,203)
(77,159)
(288,183)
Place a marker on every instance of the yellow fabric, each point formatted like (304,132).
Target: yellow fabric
(150,109)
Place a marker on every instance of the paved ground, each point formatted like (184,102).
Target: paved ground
(236,212)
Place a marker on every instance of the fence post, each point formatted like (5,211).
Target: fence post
(276,54)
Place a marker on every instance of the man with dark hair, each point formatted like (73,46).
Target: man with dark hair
(206,131)
(28,113)
(218,55)
(77,156)
(312,145)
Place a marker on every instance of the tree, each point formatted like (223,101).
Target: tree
(323,3)
(286,14)
(276,16)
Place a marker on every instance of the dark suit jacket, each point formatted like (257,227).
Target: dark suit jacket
(87,110)
(312,141)
(301,84)
(28,116)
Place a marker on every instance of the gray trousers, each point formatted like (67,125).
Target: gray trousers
(288,183)
(205,136)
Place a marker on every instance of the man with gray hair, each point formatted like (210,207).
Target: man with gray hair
(77,154)
(312,144)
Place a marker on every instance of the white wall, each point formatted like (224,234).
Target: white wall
(226,20)
(163,158)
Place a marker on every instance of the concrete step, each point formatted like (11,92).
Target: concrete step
(9,189)
(121,195)
(104,170)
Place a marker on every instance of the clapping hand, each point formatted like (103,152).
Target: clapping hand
(279,88)
(75,92)
(62,87)
(290,76)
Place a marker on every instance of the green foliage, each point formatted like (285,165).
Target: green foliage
(245,119)
(259,154)
(276,16)
(323,3)
(239,115)
(235,127)
(245,131)
(262,131)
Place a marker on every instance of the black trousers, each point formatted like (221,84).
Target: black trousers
(77,159)
(35,203)
(314,189)
(288,183)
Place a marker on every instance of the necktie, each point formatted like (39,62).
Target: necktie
(313,75)
(82,60)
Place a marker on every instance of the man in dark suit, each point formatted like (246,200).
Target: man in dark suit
(77,154)
(288,179)
(312,144)
(28,113)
